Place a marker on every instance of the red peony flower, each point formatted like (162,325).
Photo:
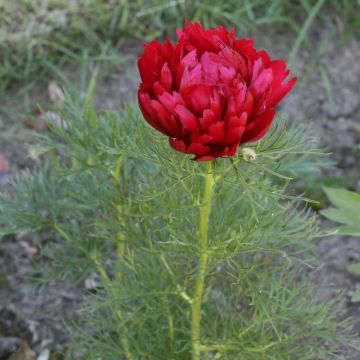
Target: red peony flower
(210,91)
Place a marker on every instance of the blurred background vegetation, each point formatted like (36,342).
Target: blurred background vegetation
(37,36)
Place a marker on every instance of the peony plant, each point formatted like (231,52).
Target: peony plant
(209,93)
(195,259)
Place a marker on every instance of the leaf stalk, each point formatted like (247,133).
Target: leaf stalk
(203,261)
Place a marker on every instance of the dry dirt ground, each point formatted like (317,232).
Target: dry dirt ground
(38,316)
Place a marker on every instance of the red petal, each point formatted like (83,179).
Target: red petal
(245,46)
(151,62)
(200,38)
(203,139)
(217,132)
(258,127)
(279,90)
(235,128)
(227,74)
(175,126)
(197,97)
(216,104)
(198,149)
(168,121)
(264,57)
(207,119)
(210,67)
(215,151)
(257,67)
(231,107)
(178,145)
(158,89)
(278,93)
(248,104)
(190,59)
(149,113)
(233,135)
(188,120)
(166,77)
(236,121)
(278,67)
(170,101)
(145,74)
(204,158)
(232,149)
(262,83)
(235,103)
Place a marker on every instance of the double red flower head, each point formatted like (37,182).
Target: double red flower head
(210,91)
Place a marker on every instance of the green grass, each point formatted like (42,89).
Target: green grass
(38,35)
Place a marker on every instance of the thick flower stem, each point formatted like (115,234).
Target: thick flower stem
(203,260)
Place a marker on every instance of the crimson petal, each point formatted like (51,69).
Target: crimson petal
(259,126)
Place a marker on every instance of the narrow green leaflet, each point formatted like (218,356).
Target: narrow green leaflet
(343,216)
(356,295)
(355,268)
(344,199)
(347,210)
(349,230)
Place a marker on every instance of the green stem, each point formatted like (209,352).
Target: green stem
(120,252)
(120,234)
(203,260)
(102,271)
(107,282)
(220,347)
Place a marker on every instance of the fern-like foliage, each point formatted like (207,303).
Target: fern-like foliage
(125,205)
